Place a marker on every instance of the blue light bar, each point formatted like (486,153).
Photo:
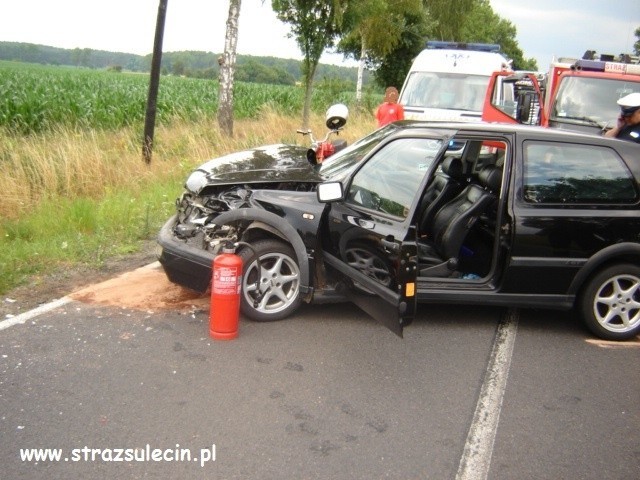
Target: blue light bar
(478,47)
(607,67)
(589,65)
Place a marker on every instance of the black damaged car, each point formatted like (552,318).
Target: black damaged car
(417,213)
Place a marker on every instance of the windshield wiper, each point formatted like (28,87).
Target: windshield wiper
(588,120)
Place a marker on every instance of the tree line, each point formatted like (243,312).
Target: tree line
(193,64)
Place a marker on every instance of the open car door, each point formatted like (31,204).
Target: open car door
(395,305)
(369,230)
(513,97)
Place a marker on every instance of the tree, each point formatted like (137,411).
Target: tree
(374,28)
(636,46)
(254,71)
(449,17)
(485,26)
(460,21)
(227,68)
(315,26)
(179,68)
(392,68)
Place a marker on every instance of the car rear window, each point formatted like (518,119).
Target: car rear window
(575,174)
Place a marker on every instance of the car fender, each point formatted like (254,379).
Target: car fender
(260,225)
(278,226)
(618,252)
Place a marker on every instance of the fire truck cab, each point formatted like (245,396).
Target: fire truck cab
(577,95)
(584,95)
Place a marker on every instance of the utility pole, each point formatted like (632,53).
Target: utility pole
(154,83)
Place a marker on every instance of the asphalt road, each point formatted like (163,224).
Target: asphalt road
(328,394)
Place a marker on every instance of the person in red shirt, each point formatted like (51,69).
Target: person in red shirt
(389,110)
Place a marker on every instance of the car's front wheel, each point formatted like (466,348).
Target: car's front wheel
(369,261)
(270,287)
(611,302)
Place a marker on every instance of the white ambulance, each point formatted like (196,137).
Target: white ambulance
(448,81)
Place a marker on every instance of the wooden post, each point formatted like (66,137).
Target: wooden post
(154,83)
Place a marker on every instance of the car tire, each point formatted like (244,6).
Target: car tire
(610,302)
(370,261)
(272,291)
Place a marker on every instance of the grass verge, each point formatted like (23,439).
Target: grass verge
(79,197)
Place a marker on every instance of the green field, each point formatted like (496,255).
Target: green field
(35,98)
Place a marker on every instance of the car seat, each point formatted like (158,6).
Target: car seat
(439,253)
(445,185)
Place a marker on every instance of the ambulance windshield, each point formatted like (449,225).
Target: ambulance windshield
(451,91)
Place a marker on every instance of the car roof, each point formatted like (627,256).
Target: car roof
(499,128)
(545,133)
(630,151)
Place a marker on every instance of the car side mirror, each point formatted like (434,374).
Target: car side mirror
(330,192)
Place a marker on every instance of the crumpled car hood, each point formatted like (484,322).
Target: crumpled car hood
(271,163)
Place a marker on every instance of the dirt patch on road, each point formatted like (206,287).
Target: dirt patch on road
(145,288)
(130,281)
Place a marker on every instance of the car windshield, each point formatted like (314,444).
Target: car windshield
(590,100)
(341,162)
(454,91)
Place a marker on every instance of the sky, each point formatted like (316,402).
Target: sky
(545,28)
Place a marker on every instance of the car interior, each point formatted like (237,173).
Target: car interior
(458,212)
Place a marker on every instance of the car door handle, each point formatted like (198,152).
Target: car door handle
(390,245)
(368,224)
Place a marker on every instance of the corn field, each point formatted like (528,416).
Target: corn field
(36,98)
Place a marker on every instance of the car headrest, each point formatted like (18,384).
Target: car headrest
(491,178)
(452,166)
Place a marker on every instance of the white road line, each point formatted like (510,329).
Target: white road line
(23,317)
(476,458)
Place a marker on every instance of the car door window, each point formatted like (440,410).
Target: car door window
(575,174)
(388,182)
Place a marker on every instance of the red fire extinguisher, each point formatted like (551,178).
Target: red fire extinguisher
(225,294)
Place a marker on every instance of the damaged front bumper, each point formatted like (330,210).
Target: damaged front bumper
(184,264)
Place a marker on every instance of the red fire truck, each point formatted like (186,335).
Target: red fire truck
(576,94)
